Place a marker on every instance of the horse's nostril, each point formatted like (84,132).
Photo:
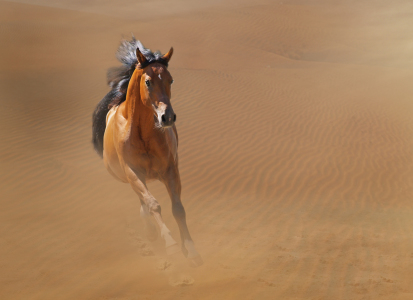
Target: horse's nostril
(163,118)
(174,117)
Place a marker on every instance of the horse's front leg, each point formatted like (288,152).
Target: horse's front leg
(150,229)
(173,184)
(151,206)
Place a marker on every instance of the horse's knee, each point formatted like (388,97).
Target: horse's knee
(178,210)
(153,206)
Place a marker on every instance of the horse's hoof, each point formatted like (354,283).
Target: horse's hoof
(195,261)
(172,249)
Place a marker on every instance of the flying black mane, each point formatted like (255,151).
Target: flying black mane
(118,79)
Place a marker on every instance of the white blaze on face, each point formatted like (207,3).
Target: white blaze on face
(160,111)
(159,75)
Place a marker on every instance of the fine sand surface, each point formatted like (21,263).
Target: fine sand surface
(296,150)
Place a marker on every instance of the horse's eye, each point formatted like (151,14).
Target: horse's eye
(172,81)
(147,82)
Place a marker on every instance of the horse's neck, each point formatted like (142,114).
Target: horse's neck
(139,117)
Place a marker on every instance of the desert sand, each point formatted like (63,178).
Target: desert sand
(296,147)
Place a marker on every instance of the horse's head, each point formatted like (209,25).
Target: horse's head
(155,87)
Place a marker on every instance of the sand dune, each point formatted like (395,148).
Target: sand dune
(295,128)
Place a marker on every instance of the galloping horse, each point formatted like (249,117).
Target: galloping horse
(134,131)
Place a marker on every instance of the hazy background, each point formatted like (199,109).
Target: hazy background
(296,147)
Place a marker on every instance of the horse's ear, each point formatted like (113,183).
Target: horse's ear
(168,55)
(141,58)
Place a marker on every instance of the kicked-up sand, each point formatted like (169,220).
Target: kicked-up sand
(296,151)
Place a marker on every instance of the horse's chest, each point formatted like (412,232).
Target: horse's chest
(151,156)
(150,159)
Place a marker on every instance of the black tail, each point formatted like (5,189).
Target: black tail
(118,79)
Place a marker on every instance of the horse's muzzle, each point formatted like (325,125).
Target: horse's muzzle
(168,119)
